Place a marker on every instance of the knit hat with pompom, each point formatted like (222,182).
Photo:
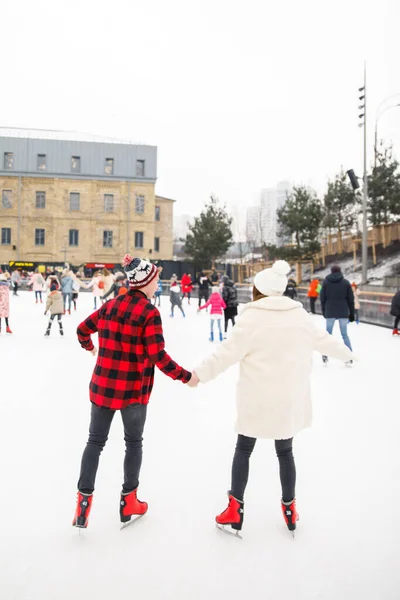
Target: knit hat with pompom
(273,281)
(139,272)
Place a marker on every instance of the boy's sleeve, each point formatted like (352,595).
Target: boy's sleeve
(154,345)
(86,328)
(49,302)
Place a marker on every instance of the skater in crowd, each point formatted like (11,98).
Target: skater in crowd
(337,302)
(174,279)
(175,298)
(67,288)
(158,292)
(122,381)
(5,301)
(98,285)
(214,277)
(291,291)
(313,293)
(357,304)
(273,341)
(187,286)
(16,281)
(108,281)
(55,305)
(37,282)
(217,311)
(395,312)
(120,286)
(229,295)
(204,287)
(52,278)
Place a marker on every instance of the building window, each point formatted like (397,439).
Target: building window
(8,161)
(74,201)
(139,207)
(6,236)
(139,242)
(40,199)
(109,166)
(41,162)
(6,199)
(156,244)
(75,164)
(107,239)
(140,168)
(108,202)
(74,237)
(157,215)
(39,237)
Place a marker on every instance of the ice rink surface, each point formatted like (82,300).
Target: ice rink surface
(348,472)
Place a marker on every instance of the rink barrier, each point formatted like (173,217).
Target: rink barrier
(375,306)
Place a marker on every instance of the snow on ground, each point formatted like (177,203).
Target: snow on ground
(348,467)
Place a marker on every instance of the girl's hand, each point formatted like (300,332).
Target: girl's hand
(194,381)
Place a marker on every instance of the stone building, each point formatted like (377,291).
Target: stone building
(66,197)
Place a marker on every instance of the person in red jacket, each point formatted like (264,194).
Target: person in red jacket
(313,293)
(187,286)
(131,344)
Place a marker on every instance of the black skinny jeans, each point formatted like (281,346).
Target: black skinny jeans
(133,418)
(396,322)
(240,467)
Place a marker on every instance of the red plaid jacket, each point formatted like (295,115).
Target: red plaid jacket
(131,342)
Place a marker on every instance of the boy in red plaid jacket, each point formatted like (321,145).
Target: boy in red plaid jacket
(131,343)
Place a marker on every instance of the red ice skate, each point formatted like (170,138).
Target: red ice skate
(130,507)
(290,514)
(232,516)
(83,507)
(396,332)
(8,330)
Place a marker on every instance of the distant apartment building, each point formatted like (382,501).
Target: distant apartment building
(80,199)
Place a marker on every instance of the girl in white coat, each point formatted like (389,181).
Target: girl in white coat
(273,341)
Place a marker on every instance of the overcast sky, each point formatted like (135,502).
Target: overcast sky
(236,95)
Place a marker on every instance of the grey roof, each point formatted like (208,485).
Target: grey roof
(52,134)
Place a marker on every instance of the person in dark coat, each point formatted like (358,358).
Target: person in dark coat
(229,295)
(214,277)
(290,291)
(337,302)
(204,287)
(395,312)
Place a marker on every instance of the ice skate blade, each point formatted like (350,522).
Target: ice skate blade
(231,532)
(131,522)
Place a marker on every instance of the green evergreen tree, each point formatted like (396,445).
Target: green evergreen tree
(300,219)
(384,189)
(210,236)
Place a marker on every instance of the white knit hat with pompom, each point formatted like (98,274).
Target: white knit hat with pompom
(273,281)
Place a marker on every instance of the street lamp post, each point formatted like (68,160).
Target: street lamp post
(365,189)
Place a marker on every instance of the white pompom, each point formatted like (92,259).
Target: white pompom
(281,267)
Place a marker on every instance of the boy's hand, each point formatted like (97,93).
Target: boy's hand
(45,312)
(194,380)
(93,351)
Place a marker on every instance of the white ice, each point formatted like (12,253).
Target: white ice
(348,468)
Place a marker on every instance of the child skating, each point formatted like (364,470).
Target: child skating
(5,301)
(55,305)
(273,341)
(175,298)
(217,310)
(131,344)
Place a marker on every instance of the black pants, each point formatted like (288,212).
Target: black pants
(313,302)
(203,295)
(133,418)
(396,322)
(6,320)
(230,314)
(38,294)
(52,317)
(15,292)
(240,467)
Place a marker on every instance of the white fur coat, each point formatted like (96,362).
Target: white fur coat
(273,340)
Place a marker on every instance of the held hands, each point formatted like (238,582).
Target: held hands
(194,381)
(93,351)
